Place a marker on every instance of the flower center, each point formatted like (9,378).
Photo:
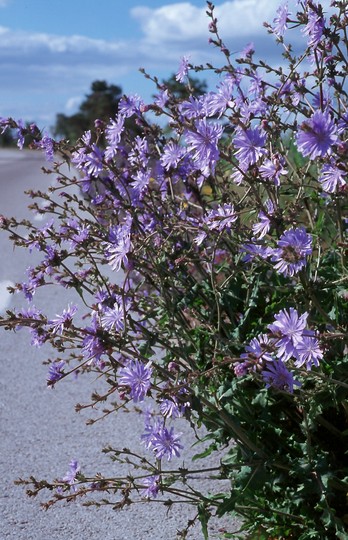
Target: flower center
(291,254)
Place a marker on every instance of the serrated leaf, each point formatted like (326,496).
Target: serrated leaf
(203,516)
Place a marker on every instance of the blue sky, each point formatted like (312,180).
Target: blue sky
(51,50)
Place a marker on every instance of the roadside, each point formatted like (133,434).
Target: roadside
(41,433)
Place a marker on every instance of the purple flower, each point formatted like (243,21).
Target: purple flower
(20,134)
(119,245)
(183,69)
(139,154)
(86,138)
(129,105)
(321,99)
(171,408)
(113,318)
(218,102)
(82,233)
(261,228)
(277,375)
(293,248)
(36,279)
(253,250)
(221,217)
(113,133)
(55,372)
(93,345)
(239,174)
(254,107)
(241,369)
(259,351)
(199,239)
(116,254)
(79,158)
(150,430)
(5,123)
(288,330)
(280,20)
(70,476)
(76,233)
(314,27)
(247,51)
(192,108)
(162,98)
(290,90)
(308,352)
(203,143)
(255,88)
(331,178)
(140,185)
(317,135)
(94,161)
(31,313)
(165,443)
(251,145)
(63,321)
(171,155)
(137,376)
(38,337)
(47,144)
(272,169)
(151,486)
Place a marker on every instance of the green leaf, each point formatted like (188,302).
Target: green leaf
(207,452)
(204,516)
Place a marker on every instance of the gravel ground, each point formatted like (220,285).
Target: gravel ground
(40,430)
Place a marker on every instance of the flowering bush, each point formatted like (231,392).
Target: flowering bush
(227,232)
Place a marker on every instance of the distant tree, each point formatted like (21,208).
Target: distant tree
(182,91)
(7,139)
(101,103)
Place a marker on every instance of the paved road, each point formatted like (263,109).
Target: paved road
(40,431)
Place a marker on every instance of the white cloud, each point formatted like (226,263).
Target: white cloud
(185,22)
(28,41)
(41,73)
(171,23)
